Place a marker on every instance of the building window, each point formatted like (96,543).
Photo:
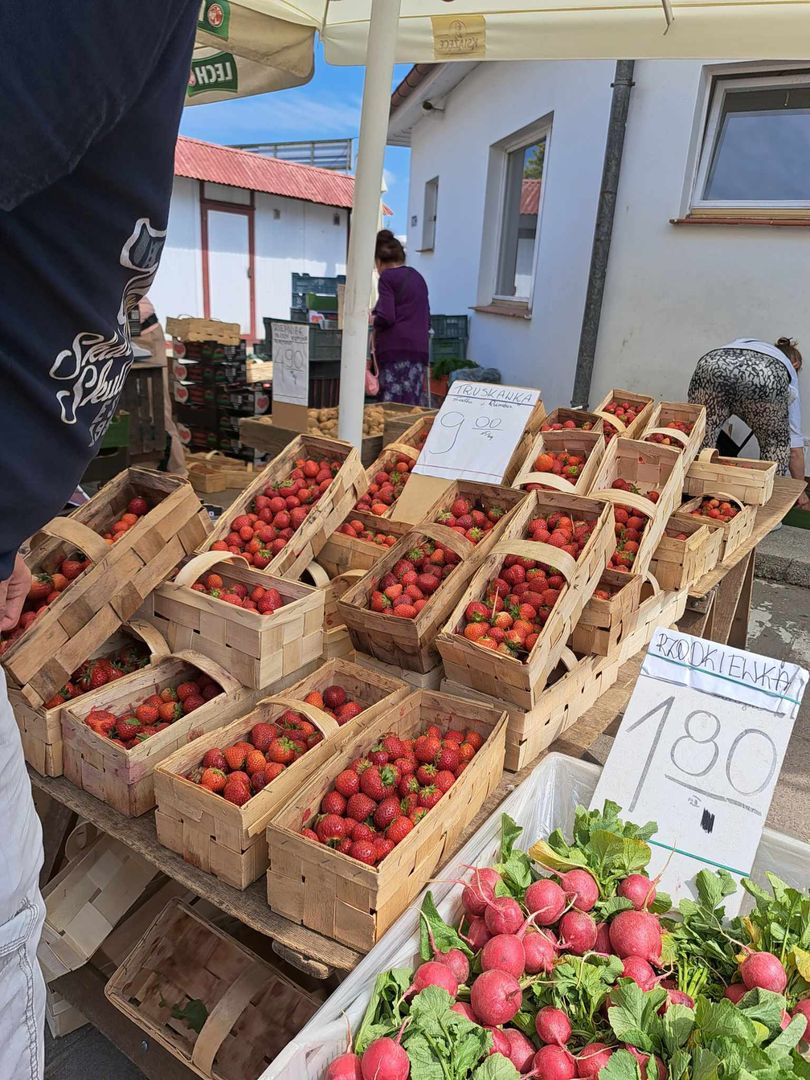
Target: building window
(429,215)
(756,145)
(519,217)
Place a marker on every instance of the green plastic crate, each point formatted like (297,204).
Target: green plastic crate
(117,434)
(448,348)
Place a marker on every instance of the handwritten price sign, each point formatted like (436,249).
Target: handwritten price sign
(476,432)
(699,751)
(291,363)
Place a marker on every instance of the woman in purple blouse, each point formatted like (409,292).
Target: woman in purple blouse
(401,325)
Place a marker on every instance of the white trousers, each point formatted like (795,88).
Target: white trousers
(22,912)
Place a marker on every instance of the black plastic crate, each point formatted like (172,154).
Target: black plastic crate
(448,348)
(306,283)
(449,326)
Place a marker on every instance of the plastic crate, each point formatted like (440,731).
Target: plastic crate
(318,302)
(449,326)
(306,283)
(450,348)
(324,345)
(117,434)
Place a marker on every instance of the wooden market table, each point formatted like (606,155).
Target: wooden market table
(718,609)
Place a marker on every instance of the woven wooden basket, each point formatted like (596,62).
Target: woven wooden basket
(487,494)
(664,413)
(341,553)
(387,458)
(41,728)
(330,510)
(228,841)
(507,677)
(409,426)
(214,472)
(678,564)
(416,680)
(575,416)
(190,328)
(733,532)
(124,779)
(649,466)
(632,430)
(747,479)
(86,900)
(603,623)
(656,608)
(256,649)
(251,1010)
(573,687)
(343,899)
(122,575)
(407,643)
(588,444)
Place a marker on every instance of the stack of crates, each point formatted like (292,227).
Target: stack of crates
(448,338)
(314,294)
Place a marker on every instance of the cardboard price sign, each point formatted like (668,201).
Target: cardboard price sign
(476,431)
(699,751)
(290,363)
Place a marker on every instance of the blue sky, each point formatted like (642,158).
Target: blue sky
(328,107)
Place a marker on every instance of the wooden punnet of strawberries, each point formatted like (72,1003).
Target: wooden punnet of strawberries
(583,423)
(386,485)
(629,526)
(557,463)
(408,586)
(154,714)
(376,802)
(100,671)
(265,601)
(520,599)
(624,411)
(717,509)
(357,529)
(683,426)
(242,770)
(472,518)
(267,526)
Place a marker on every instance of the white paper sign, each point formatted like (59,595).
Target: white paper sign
(476,432)
(291,363)
(699,750)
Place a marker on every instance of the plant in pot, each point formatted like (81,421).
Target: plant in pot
(440,371)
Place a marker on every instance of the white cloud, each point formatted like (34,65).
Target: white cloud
(270,117)
(389,179)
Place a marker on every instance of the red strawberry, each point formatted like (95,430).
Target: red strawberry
(261,735)
(347,783)
(236,791)
(281,751)
(409,802)
(331,829)
(363,851)
(426,748)
(399,829)
(378,756)
(448,758)
(386,812)
(382,847)
(406,764)
(333,803)
(392,744)
(147,714)
(234,757)
(426,774)
(192,702)
(408,785)
(127,727)
(429,796)
(213,779)
(348,711)
(444,780)
(310,834)
(416,815)
(360,806)
(187,689)
(378,783)
(362,831)
(345,845)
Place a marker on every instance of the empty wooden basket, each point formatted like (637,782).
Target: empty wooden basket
(604,621)
(747,479)
(678,564)
(183,963)
(344,899)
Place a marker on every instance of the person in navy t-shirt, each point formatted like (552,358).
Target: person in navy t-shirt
(92,94)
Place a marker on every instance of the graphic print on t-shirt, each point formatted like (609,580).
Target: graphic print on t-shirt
(95,366)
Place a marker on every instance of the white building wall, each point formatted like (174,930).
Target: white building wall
(177,289)
(492,102)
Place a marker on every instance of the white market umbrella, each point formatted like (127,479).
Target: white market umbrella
(380,33)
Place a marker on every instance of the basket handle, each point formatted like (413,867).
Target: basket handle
(568,659)
(709,454)
(345,581)
(197,566)
(400,448)
(224,1015)
(74,532)
(317,573)
(652,581)
(626,498)
(214,454)
(326,724)
(443,534)
(228,683)
(151,637)
(611,419)
(559,483)
(534,549)
(671,433)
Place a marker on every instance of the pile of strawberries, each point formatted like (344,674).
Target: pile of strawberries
(45,589)
(717,509)
(520,599)
(472,518)
(377,800)
(386,486)
(153,714)
(239,772)
(410,583)
(264,601)
(274,516)
(358,531)
(629,525)
(568,425)
(101,670)
(136,508)
(622,410)
(677,425)
(560,463)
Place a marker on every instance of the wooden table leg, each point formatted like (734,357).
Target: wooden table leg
(733,594)
(738,634)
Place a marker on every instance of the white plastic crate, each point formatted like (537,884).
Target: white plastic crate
(544,802)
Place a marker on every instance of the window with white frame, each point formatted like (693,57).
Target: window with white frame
(756,145)
(429,215)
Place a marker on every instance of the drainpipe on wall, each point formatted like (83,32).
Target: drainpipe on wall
(603,230)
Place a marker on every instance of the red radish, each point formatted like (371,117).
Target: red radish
(553,1063)
(540,950)
(764,970)
(553,1026)
(580,888)
(477,934)
(504,953)
(636,933)
(480,891)
(465,1010)
(433,974)
(503,915)
(496,997)
(783,1023)
(639,971)
(577,932)
(638,889)
(500,1043)
(736,992)
(521,1051)
(676,997)
(345,1067)
(803,1009)
(453,958)
(642,1060)
(546,900)
(384,1059)
(603,939)
(592,1058)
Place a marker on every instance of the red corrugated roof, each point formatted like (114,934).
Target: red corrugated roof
(200,160)
(530,197)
